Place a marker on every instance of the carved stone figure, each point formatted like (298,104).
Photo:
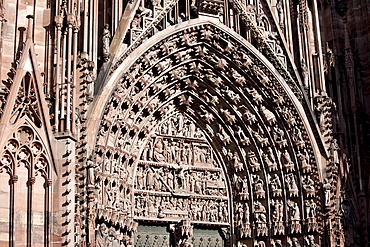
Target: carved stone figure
(280,13)
(230,118)
(90,172)
(242,220)
(264,79)
(106,42)
(310,241)
(308,185)
(239,79)
(140,184)
(271,164)
(279,137)
(269,116)
(287,161)
(260,219)
(237,164)
(150,177)
(294,217)
(297,138)
(275,186)
(101,236)
(311,206)
(292,185)
(248,115)
(258,186)
(244,140)
(259,135)
(257,98)
(255,165)
(180,177)
(277,217)
(288,116)
(242,187)
(304,160)
(235,98)
(207,116)
(327,191)
(158,150)
(223,136)
(334,151)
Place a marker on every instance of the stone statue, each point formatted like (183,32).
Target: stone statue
(101,236)
(277,217)
(256,166)
(287,161)
(279,137)
(258,186)
(310,241)
(294,217)
(275,186)
(311,215)
(244,140)
(90,172)
(327,190)
(334,151)
(292,185)
(237,164)
(158,151)
(304,160)
(260,219)
(308,185)
(271,164)
(106,42)
(248,115)
(269,116)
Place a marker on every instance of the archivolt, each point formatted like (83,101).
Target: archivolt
(248,113)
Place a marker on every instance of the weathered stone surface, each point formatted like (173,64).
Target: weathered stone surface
(184,123)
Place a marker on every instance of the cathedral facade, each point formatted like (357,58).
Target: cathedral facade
(184,123)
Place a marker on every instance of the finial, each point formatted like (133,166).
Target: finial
(30,26)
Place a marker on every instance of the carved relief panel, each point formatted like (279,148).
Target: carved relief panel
(178,177)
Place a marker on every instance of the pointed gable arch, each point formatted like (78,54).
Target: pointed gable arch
(26,153)
(247,110)
(25,100)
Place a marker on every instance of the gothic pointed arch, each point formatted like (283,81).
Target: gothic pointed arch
(25,153)
(249,121)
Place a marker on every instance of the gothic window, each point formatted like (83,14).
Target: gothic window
(26,190)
